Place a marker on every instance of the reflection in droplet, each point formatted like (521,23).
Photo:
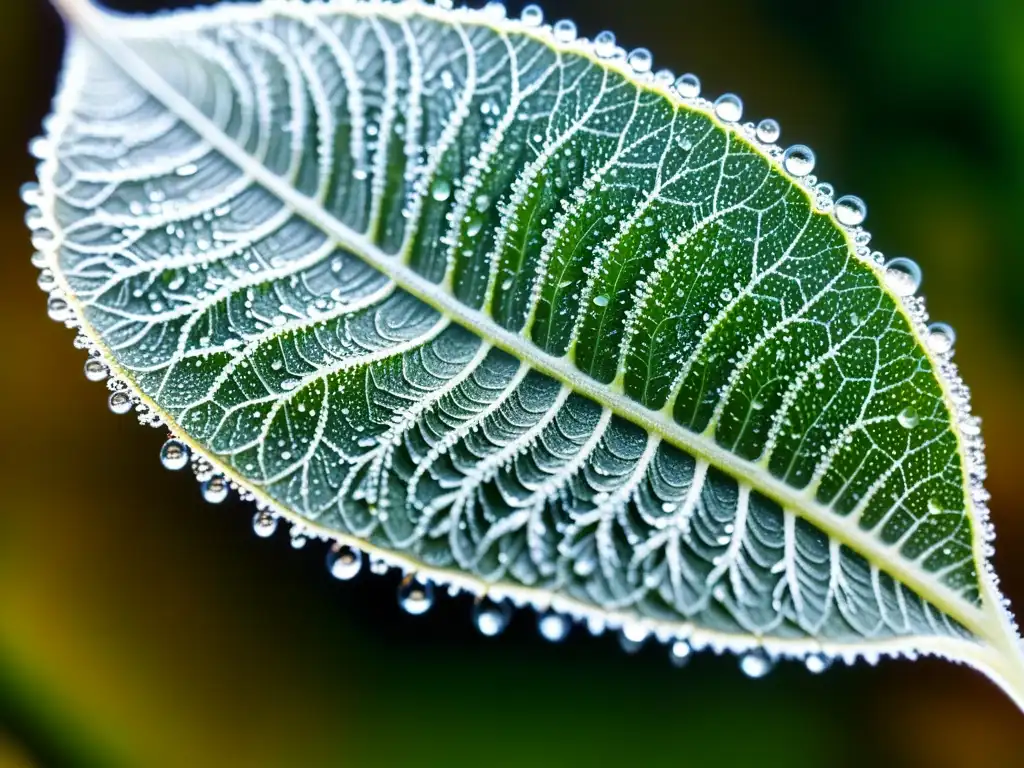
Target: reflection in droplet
(532,16)
(850,211)
(941,338)
(604,44)
(215,490)
(57,308)
(756,664)
(564,30)
(264,523)
(553,626)
(344,562)
(415,595)
(768,131)
(903,276)
(174,455)
(798,160)
(908,417)
(491,616)
(441,190)
(688,86)
(729,108)
(96,369)
(641,60)
(119,402)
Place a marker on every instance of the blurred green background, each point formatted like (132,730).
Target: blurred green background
(141,627)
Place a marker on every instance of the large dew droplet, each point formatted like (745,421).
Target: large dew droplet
(57,308)
(729,108)
(640,60)
(850,211)
(756,664)
(768,131)
(679,653)
(215,490)
(174,455)
(532,16)
(903,276)
(553,627)
(908,417)
(941,338)
(491,616)
(604,44)
(264,523)
(564,30)
(96,369)
(344,562)
(798,160)
(415,595)
(688,86)
(119,402)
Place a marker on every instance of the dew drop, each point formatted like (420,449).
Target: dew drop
(96,369)
(629,646)
(729,108)
(532,16)
(57,308)
(688,86)
(264,524)
(640,60)
(190,169)
(941,338)
(298,540)
(441,190)
(604,45)
(119,402)
(768,131)
(903,276)
(344,562)
(289,384)
(634,632)
(601,300)
(174,455)
(755,664)
(679,653)
(495,10)
(215,490)
(46,281)
(850,211)
(553,627)
(564,30)
(415,595)
(909,417)
(817,663)
(798,160)
(491,616)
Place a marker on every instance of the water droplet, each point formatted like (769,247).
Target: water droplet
(46,281)
(441,190)
(941,338)
(495,10)
(344,562)
(289,384)
(96,369)
(679,653)
(909,417)
(564,30)
(798,160)
(532,16)
(817,663)
(601,301)
(189,169)
(903,276)
(641,60)
(264,523)
(491,616)
(635,632)
(57,308)
(119,402)
(688,86)
(755,664)
(174,455)
(729,107)
(768,131)
(215,490)
(415,595)
(850,211)
(604,45)
(553,626)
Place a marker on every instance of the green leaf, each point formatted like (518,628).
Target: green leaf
(505,309)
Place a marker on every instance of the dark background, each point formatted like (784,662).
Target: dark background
(142,627)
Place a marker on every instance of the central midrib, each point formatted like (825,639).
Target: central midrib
(99,28)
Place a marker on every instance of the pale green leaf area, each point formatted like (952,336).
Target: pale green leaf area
(506,309)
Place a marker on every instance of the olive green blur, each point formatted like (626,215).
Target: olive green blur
(140,626)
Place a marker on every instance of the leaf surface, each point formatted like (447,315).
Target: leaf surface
(495,305)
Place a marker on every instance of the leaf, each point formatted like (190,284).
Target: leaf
(503,308)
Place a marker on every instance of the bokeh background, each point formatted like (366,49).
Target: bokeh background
(142,627)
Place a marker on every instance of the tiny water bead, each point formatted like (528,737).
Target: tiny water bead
(729,108)
(174,455)
(798,160)
(768,131)
(908,417)
(264,524)
(564,30)
(441,190)
(679,653)
(756,664)
(903,276)
(817,663)
(553,626)
(604,44)
(532,16)
(850,211)
(95,369)
(491,616)
(119,402)
(344,562)
(688,86)
(415,595)
(57,308)
(941,338)
(641,60)
(214,490)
